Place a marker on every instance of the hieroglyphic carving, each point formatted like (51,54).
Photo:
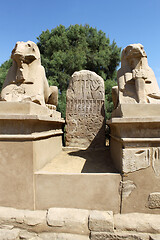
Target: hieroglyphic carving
(135,159)
(154,200)
(156,160)
(85,110)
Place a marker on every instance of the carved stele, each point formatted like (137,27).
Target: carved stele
(26,80)
(85,113)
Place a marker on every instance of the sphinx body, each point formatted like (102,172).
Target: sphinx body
(26,79)
(136,80)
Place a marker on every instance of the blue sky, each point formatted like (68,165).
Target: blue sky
(124,21)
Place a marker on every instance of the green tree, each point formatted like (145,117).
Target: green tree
(3,71)
(108,97)
(66,50)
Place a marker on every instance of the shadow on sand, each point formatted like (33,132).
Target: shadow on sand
(96,155)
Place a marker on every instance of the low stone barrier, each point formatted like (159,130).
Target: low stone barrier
(77,224)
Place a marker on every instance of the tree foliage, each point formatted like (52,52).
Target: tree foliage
(3,71)
(66,50)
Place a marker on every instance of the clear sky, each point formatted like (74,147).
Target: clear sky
(124,21)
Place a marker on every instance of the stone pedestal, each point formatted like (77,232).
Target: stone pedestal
(135,151)
(135,137)
(30,136)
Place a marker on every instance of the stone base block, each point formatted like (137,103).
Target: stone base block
(16,174)
(140,192)
(135,143)
(101,221)
(68,220)
(19,160)
(24,138)
(118,236)
(137,222)
(137,110)
(84,191)
(135,151)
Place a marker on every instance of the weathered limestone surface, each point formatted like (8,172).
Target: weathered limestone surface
(85,110)
(26,80)
(74,224)
(137,222)
(68,220)
(126,188)
(83,191)
(154,237)
(24,234)
(154,200)
(100,221)
(7,234)
(138,200)
(31,220)
(62,236)
(118,236)
(136,141)
(23,142)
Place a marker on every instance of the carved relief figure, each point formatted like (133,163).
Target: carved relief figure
(26,80)
(136,80)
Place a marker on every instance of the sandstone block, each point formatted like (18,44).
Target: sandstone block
(156,160)
(101,221)
(134,159)
(33,218)
(118,236)
(154,237)
(62,236)
(154,200)
(6,234)
(36,238)
(138,222)
(27,235)
(4,226)
(68,220)
(11,215)
(126,188)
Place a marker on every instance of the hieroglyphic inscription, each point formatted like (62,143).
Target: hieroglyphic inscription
(156,160)
(85,110)
(85,107)
(135,159)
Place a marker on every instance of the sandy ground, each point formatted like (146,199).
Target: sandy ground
(81,161)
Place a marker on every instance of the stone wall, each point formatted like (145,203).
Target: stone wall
(76,224)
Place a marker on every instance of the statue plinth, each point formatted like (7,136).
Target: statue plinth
(30,136)
(134,131)
(135,151)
